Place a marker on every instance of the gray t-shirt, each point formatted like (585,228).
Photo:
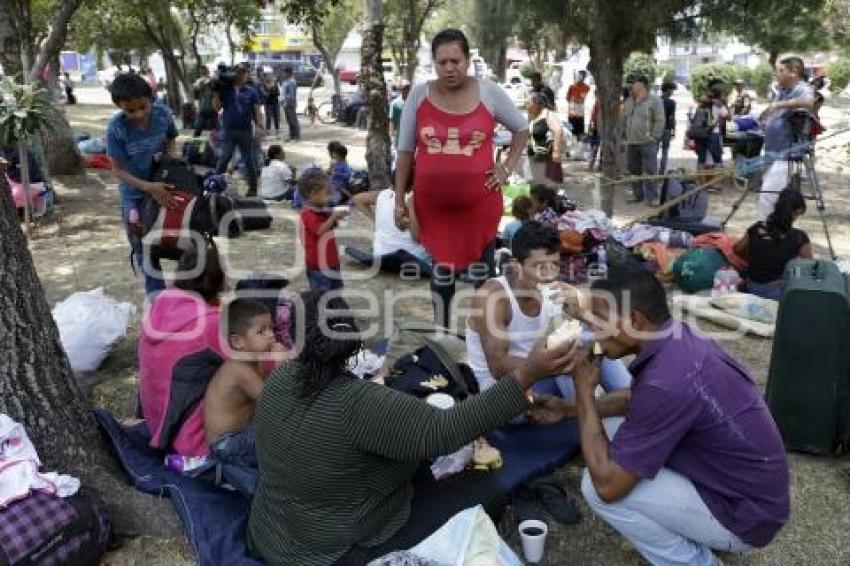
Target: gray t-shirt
(777,130)
(495,99)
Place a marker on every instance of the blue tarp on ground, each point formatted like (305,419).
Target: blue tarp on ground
(214,519)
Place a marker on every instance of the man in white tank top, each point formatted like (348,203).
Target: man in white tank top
(509,314)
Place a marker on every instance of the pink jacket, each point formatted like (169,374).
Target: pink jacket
(179,351)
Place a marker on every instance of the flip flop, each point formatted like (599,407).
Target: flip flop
(557,503)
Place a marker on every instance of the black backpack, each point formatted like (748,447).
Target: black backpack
(169,232)
(693,208)
(199,151)
(701,125)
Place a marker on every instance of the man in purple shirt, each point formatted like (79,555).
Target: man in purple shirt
(698,463)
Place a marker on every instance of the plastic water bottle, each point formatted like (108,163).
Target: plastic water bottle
(598,270)
(135,221)
(184,464)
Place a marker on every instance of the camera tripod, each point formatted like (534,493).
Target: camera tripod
(801,168)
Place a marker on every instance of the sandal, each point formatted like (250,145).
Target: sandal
(557,503)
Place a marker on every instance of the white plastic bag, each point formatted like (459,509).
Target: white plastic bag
(468,539)
(90,323)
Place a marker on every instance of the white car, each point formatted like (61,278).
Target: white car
(517,90)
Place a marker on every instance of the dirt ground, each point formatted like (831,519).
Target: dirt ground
(82,246)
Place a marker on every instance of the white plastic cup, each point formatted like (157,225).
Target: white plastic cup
(440,400)
(342,222)
(533,534)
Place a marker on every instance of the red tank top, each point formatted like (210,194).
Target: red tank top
(458,216)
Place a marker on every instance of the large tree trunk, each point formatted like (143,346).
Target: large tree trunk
(771,59)
(606,64)
(37,389)
(330,61)
(61,149)
(55,39)
(372,75)
(10,45)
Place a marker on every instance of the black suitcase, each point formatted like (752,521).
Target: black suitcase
(808,388)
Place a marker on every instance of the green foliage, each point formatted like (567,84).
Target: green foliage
(761,78)
(25,111)
(526,69)
(641,64)
(727,72)
(334,28)
(839,75)
(784,27)
(666,72)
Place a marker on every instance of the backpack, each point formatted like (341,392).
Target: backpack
(701,125)
(412,372)
(695,269)
(241,221)
(691,209)
(45,529)
(169,232)
(199,151)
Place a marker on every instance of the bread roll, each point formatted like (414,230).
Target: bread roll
(569,331)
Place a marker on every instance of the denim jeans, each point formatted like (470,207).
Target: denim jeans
(292,122)
(235,455)
(153,276)
(643,160)
(614,376)
(324,281)
(244,140)
(272,112)
(713,146)
(772,290)
(665,519)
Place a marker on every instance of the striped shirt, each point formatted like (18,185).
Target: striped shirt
(336,469)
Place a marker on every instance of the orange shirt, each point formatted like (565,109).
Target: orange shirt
(575,99)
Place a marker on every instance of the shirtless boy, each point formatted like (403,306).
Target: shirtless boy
(234,389)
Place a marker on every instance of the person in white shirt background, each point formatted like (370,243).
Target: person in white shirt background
(276,176)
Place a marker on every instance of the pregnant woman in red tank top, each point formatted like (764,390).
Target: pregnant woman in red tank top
(447,131)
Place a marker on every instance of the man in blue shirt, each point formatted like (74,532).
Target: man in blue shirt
(290,104)
(133,137)
(793,93)
(241,123)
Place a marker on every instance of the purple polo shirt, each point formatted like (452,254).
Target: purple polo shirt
(694,410)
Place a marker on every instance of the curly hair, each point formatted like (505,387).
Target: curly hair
(325,354)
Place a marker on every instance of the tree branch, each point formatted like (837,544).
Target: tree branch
(55,39)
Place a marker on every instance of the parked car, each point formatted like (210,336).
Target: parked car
(349,75)
(306,75)
(517,90)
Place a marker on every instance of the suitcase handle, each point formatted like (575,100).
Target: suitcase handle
(816,271)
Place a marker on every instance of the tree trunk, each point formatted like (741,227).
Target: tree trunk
(55,39)
(24,160)
(330,60)
(37,389)
(371,72)
(10,45)
(61,152)
(175,80)
(606,64)
(771,58)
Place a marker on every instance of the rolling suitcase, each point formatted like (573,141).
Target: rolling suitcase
(808,387)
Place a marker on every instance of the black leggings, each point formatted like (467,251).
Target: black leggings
(443,283)
(434,503)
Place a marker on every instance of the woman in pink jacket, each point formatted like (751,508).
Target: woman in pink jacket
(179,351)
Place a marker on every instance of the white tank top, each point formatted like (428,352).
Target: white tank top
(523,331)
